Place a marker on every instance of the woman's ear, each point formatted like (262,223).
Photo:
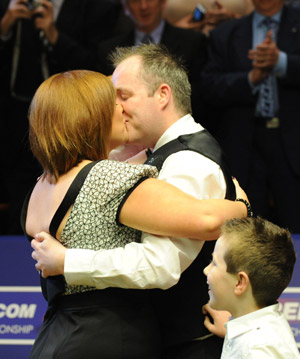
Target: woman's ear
(242,283)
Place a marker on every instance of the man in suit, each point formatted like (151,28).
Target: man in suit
(149,26)
(246,59)
(39,38)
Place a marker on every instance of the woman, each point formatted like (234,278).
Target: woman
(74,123)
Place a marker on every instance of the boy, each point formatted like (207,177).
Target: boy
(252,264)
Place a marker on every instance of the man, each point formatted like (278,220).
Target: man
(37,39)
(149,26)
(155,94)
(259,133)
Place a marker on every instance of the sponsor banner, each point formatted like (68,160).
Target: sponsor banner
(21,314)
(22,305)
(290,306)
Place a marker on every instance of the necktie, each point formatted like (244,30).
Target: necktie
(267,104)
(147,39)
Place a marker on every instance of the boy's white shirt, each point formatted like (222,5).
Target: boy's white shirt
(262,334)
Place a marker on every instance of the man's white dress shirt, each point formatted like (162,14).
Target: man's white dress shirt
(157,262)
(262,334)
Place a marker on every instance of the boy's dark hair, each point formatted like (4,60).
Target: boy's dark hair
(264,251)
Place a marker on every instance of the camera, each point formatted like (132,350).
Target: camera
(33,4)
(199,13)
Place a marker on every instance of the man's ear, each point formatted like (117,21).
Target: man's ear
(242,283)
(164,95)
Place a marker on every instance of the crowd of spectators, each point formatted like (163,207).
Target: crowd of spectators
(226,64)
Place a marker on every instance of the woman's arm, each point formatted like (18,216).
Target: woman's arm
(157,262)
(159,208)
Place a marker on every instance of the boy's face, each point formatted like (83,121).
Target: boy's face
(221,283)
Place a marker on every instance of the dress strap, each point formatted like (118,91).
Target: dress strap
(70,197)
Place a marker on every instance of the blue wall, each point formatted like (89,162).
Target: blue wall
(22,305)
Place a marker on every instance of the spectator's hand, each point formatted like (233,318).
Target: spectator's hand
(213,17)
(45,20)
(17,9)
(49,254)
(266,54)
(187,22)
(256,75)
(218,14)
(219,318)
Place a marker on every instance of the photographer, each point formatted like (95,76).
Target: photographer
(39,38)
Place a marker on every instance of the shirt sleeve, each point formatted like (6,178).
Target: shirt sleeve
(281,66)
(157,262)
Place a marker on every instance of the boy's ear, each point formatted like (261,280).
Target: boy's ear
(242,283)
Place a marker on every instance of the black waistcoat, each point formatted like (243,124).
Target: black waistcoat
(179,308)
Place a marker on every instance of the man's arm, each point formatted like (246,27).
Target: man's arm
(156,263)
(159,261)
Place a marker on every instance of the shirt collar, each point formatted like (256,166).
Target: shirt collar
(258,18)
(184,126)
(156,34)
(57,4)
(249,322)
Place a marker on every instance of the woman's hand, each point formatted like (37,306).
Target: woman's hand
(49,254)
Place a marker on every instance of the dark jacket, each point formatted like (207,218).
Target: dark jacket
(225,86)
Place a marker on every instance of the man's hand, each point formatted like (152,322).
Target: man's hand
(17,9)
(264,58)
(256,75)
(266,54)
(219,318)
(49,254)
(45,20)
